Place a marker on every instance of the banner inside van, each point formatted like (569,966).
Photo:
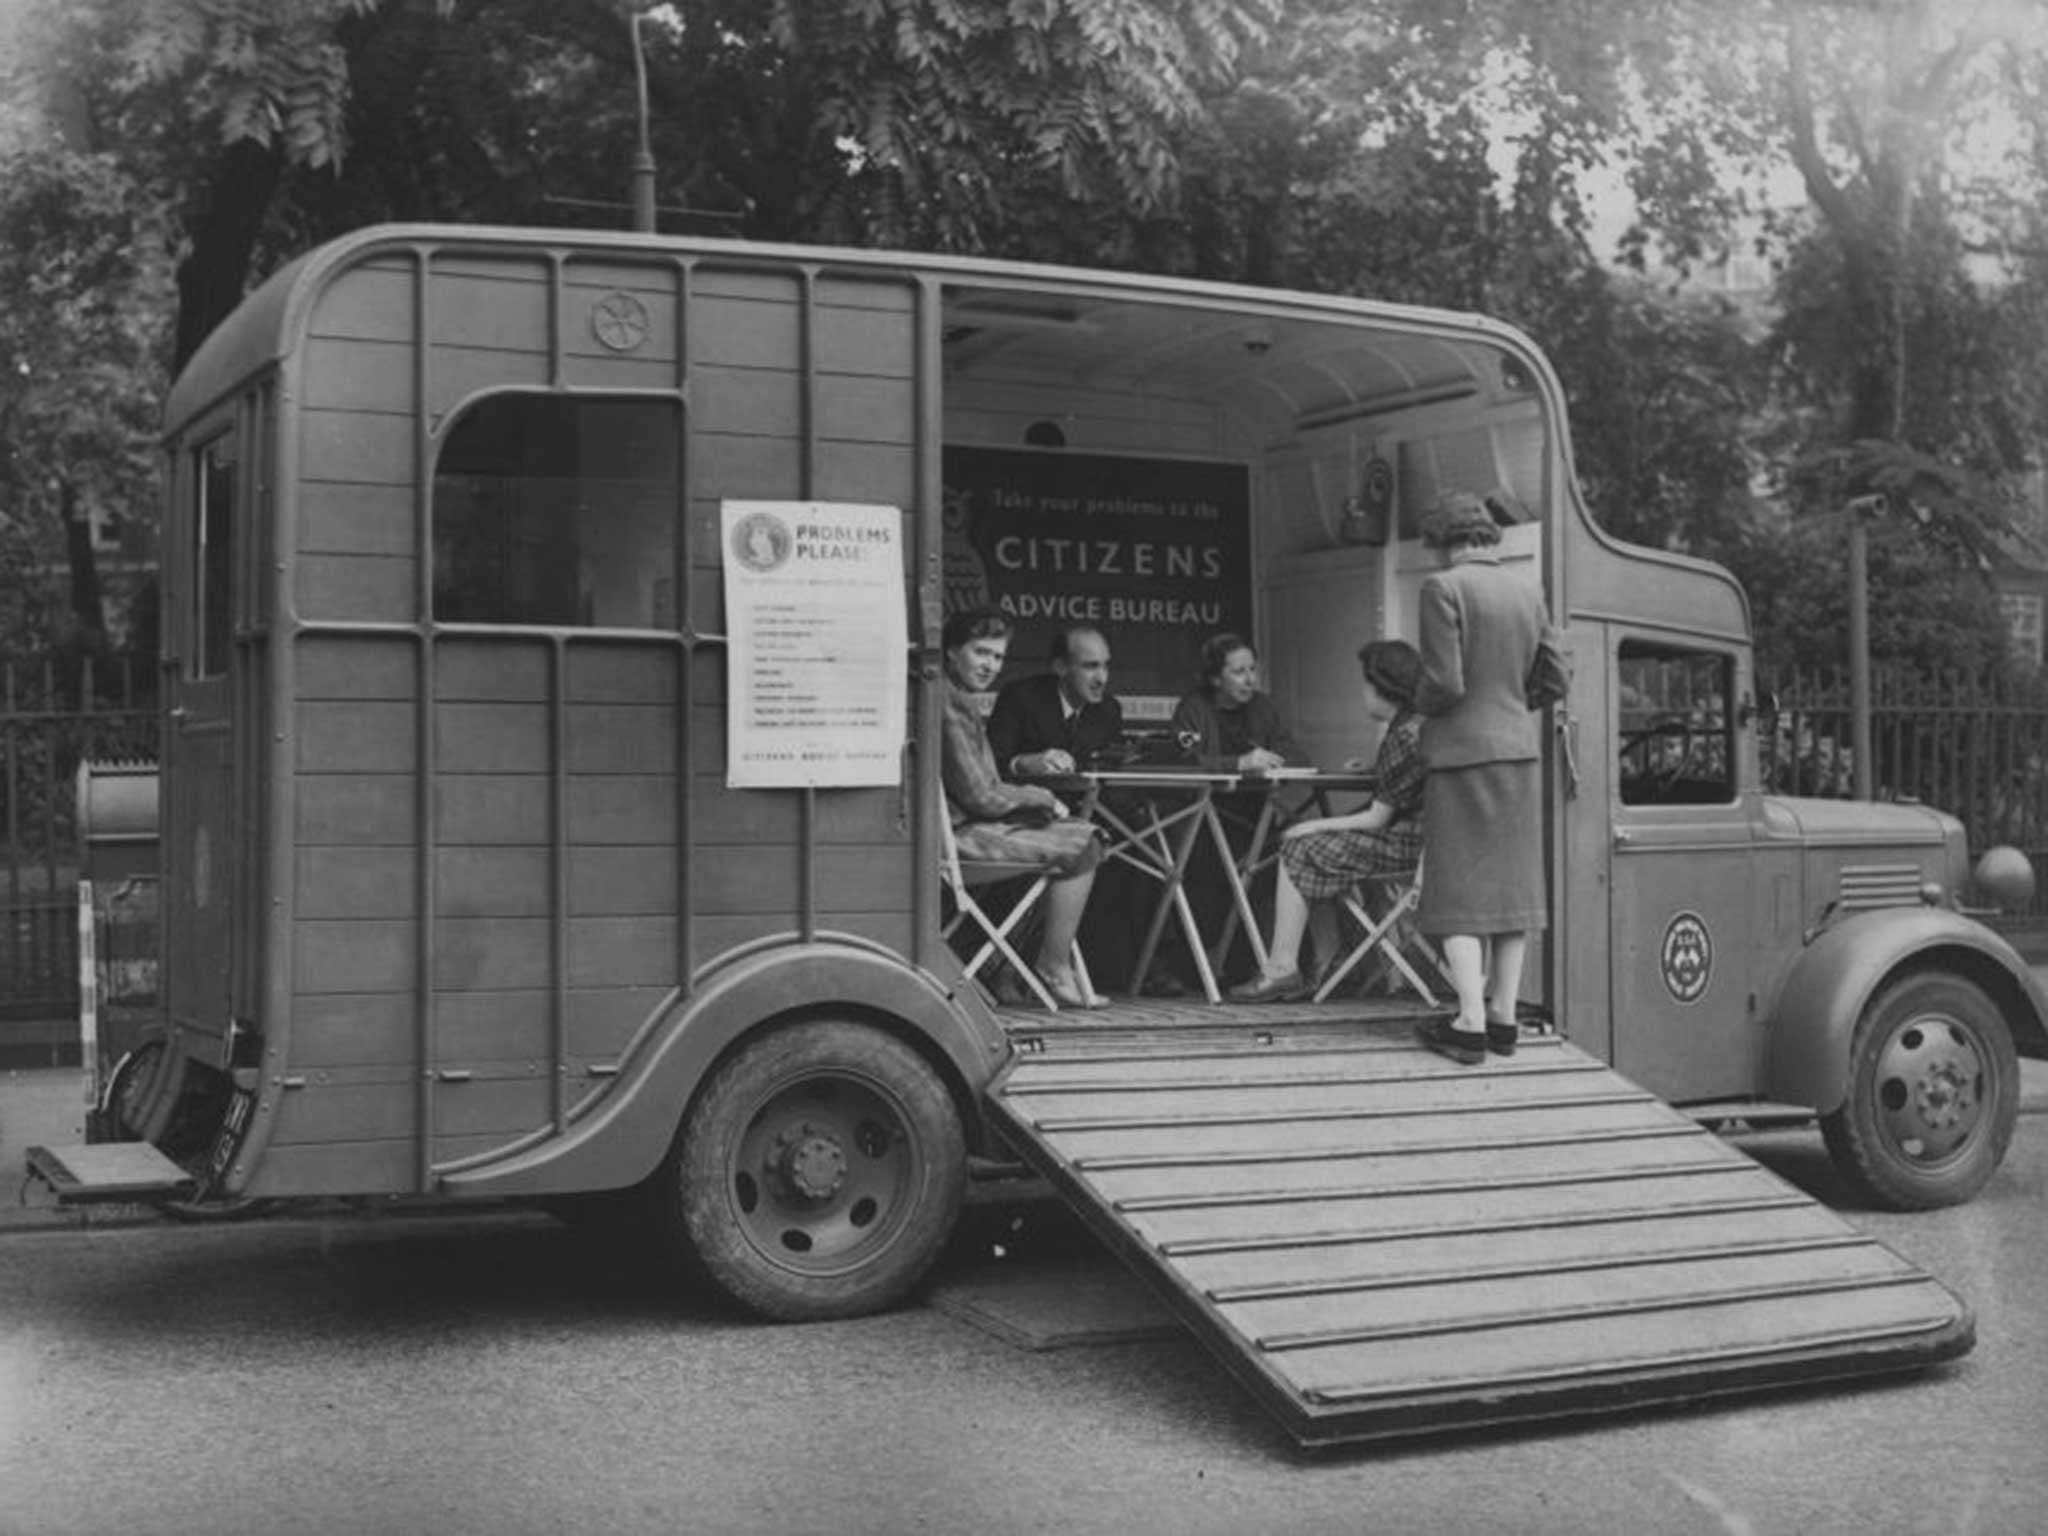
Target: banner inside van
(1155,553)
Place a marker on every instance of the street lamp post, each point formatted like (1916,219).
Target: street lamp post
(1861,510)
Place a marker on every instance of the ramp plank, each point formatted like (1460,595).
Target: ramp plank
(1380,1244)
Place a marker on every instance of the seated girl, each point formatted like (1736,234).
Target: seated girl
(1323,857)
(998,822)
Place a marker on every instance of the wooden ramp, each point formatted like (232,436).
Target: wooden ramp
(1380,1243)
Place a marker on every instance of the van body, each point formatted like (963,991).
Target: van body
(460,901)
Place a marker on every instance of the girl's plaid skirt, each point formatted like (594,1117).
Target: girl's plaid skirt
(1324,865)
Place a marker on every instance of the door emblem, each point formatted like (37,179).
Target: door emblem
(1688,957)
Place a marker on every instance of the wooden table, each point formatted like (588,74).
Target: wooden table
(1156,825)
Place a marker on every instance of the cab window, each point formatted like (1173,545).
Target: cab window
(1676,725)
(558,510)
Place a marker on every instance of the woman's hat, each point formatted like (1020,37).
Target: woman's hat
(1459,517)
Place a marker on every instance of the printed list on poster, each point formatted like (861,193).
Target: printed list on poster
(817,684)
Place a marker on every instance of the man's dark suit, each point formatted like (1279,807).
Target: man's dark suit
(1028,718)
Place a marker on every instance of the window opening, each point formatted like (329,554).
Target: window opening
(558,510)
(213,559)
(1677,727)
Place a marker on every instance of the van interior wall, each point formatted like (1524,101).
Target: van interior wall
(1330,571)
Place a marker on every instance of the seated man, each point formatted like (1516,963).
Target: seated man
(1060,722)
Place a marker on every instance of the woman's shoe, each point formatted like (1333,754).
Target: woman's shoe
(1270,989)
(1066,991)
(1467,1047)
(1501,1037)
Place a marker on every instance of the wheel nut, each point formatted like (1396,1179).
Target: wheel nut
(813,1166)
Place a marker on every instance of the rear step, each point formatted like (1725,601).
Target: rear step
(1381,1244)
(83,1174)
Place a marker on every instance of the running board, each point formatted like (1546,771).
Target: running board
(131,1171)
(1380,1244)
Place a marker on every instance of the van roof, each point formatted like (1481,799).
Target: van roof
(267,324)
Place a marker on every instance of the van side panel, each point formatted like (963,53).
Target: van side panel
(512,846)
(802,387)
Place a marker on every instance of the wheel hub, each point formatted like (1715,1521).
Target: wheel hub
(1944,1097)
(1928,1087)
(811,1163)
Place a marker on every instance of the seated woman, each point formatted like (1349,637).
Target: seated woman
(1226,724)
(1012,823)
(1322,858)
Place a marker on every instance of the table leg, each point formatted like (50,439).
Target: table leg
(1173,874)
(1240,897)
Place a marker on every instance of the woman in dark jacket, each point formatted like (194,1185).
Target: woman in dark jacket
(1227,725)
(1490,661)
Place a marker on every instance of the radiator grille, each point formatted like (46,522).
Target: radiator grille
(1881,885)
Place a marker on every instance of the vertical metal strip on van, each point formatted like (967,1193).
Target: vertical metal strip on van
(558,877)
(425,654)
(807,408)
(922,768)
(686,629)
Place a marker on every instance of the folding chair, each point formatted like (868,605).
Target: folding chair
(961,876)
(1385,932)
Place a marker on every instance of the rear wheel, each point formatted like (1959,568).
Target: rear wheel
(1933,1095)
(819,1175)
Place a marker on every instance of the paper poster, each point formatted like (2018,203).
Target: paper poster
(818,644)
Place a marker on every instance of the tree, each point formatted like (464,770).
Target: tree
(919,122)
(85,262)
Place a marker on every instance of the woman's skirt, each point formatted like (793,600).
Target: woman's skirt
(1324,865)
(1482,870)
(1060,848)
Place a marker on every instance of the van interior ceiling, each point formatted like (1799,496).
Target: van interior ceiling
(1343,433)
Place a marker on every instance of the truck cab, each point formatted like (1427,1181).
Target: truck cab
(1762,948)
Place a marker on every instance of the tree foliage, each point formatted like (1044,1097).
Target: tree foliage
(85,265)
(1451,152)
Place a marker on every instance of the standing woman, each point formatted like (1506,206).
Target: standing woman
(1490,661)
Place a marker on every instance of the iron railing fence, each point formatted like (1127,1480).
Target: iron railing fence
(54,714)
(1976,747)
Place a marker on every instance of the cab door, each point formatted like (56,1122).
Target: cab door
(1679,871)
(199,848)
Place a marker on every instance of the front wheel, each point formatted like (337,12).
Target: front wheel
(1933,1095)
(819,1175)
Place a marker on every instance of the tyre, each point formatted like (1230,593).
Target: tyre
(121,1120)
(1933,1095)
(819,1174)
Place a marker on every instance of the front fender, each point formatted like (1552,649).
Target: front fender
(626,1134)
(1833,980)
